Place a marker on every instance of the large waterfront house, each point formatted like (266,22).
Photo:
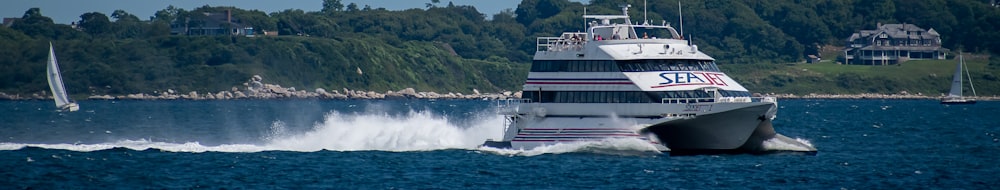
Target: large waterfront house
(893,43)
(212,23)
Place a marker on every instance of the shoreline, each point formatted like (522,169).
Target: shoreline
(408,93)
(254,88)
(874,96)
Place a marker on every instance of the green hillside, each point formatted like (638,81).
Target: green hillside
(130,66)
(928,77)
(449,48)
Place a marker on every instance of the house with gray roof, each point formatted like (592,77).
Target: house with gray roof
(892,44)
(210,24)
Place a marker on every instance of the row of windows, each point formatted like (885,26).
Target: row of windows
(903,43)
(727,93)
(667,65)
(620,96)
(573,66)
(659,95)
(587,96)
(619,66)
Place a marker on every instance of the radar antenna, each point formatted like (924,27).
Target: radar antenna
(680,12)
(645,19)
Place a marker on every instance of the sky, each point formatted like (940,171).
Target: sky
(66,11)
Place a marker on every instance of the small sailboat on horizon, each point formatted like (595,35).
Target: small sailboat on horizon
(63,102)
(957,85)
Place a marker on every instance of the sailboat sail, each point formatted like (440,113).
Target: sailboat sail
(956,81)
(957,85)
(55,80)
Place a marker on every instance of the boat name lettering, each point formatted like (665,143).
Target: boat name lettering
(690,108)
(691,78)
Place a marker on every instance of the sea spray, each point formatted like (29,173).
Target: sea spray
(615,146)
(783,143)
(376,128)
(414,131)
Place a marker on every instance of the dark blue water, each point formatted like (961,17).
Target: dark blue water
(296,144)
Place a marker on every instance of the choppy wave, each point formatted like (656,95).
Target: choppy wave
(140,145)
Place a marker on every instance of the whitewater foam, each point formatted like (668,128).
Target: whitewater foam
(616,146)
(375,130)
(783,143)
(416,131)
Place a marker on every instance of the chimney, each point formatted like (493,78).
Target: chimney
(879,25)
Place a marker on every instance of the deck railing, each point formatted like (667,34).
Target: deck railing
(558,44)
(509,106)
(718,99)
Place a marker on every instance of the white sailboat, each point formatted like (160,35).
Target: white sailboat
(957,85)
(56,84)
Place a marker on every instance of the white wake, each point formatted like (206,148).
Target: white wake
(373,131)
(416,131)
(618,146)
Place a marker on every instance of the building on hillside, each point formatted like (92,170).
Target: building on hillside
(8,21)
(813,59)
(212,23)
(892,44)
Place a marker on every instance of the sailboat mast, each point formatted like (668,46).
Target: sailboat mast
(970,77)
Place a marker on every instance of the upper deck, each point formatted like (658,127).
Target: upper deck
(615,37)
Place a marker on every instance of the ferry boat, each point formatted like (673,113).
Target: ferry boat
(620,79)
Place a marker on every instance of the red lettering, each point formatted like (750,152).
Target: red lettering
(715,79)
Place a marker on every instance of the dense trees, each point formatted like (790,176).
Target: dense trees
(459,46)
(95,23)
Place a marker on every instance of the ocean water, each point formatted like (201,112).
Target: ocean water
(419,144)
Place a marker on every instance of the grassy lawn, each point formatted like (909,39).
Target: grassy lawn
(927,77)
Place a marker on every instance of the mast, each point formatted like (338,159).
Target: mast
(968,75)
(680,12)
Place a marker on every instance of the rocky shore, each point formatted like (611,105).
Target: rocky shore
(256,89)
(897,96)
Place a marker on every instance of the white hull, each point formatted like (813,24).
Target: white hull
(535,125)
(957,100)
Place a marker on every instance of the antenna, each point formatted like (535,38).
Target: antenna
(681,13)
(585,17)
(645,20)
